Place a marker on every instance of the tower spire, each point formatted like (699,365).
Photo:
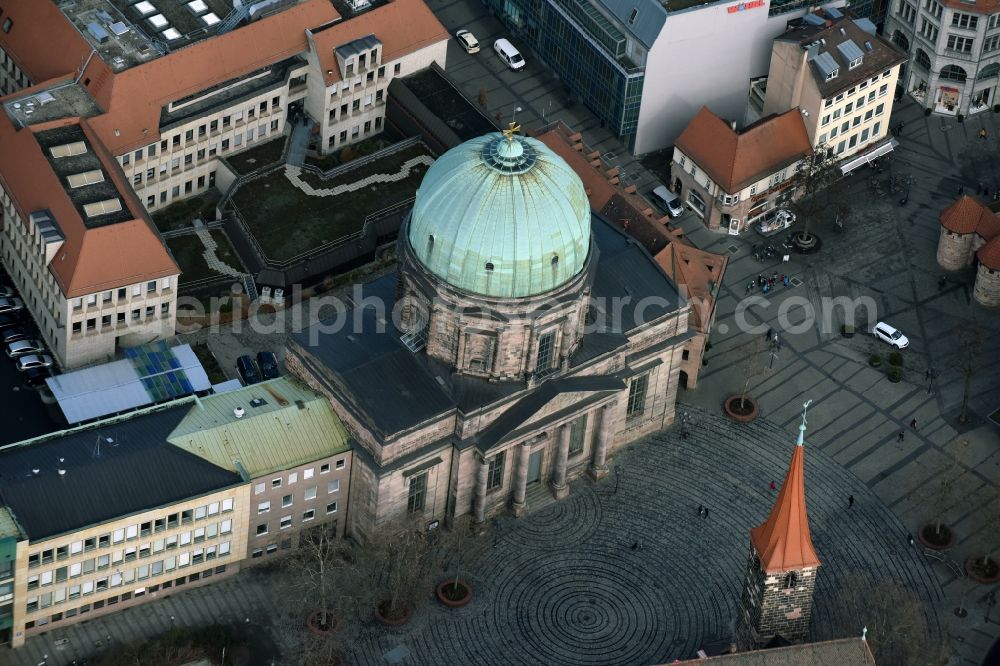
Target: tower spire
(802,426)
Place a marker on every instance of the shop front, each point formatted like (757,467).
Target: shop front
(948,100)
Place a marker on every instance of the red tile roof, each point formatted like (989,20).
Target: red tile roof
(968,215)
(41,41)
(735,160)
(989,254)
(783,541)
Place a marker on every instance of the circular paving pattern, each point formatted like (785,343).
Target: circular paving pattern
(638,577)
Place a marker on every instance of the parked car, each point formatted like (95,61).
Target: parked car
(887,333)
(667,201)
(248,370)
(34,361)
(15,334)
(9,320)
(11,304)
(7,292)
(510,55)
(36,377)
(268,363)
(25,347)
(467,41)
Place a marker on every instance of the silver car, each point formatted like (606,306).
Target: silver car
(34,361)
(11,304)
(24,347)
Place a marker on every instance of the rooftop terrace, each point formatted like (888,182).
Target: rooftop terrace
(65,100)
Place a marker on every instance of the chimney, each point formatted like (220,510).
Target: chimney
(239,412)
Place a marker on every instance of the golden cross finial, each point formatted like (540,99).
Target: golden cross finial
(511,130)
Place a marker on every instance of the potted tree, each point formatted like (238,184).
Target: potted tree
(397,564)
(937,535)
(985,568)
(741,407)
(458,547)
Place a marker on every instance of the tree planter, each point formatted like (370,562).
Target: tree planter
(875,360)
(895,374)
(931,538)
(742,409)
(315,623)
(387,620)
(847,330)
(987,573)
(452,596)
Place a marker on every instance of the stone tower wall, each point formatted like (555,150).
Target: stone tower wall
(955,250)
(767,608)
(987,289)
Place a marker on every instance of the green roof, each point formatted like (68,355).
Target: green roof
(8,526)
(283,424)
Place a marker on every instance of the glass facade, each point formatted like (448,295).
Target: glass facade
(585,49)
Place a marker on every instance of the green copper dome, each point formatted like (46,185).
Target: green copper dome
(503,217)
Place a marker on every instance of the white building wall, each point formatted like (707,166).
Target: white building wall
(705,56)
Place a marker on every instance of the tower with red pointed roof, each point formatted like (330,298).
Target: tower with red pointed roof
(781,570)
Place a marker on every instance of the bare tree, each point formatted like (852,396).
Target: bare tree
(753,365)
(898,630)
(396,566)
(814,178)
(942,493)
(461,545)
(970,344)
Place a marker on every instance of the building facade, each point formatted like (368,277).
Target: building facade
(842,76)
(732,179)
(516,358)
(109,515)
(953,48)
(606,52)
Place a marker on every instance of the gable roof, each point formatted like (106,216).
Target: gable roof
(292,426)
(840,652)
(41,41)
(968,215)
(989,254)
(735,160)
(783,541)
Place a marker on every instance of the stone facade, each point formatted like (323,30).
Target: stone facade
(987,289)
(774,604)
(956,251)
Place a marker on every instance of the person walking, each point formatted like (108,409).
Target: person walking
(850,501)
(701,510)
(902,435)
(774,486)
(705,515)
(913,424)
(983,134)
(770,334)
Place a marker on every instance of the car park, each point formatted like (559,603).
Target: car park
(24,347)
(510,55)
(34,361)
(248,370)
(12,304)
(15,334)
(893,336)
(268,365)
(467,41)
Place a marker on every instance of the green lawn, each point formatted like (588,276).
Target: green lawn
(258,156)
(179,215)
(189,251)
(287,222)
(353,151)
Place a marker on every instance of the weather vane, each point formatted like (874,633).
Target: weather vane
(805,406)
(511,130)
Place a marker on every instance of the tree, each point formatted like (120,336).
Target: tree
(395,567)
(814,176)
(753,365)
(896,619)
(461,545)
(942,493)
(970,344)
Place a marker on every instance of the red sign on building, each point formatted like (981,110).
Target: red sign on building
(752,4)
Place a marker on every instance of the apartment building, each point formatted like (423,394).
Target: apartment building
(735,179)
(110,515)
(953,47)
(842,76)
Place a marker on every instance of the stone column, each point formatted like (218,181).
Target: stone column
(598,467)
(479,500)
(559,487)
(519,506)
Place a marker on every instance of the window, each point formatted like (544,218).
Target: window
(992,43)
(928,30)
(494,473)
(227,505)
(333,486)
(790,581)
(263,507)
(544,358)
(307,473)
(276,483)
(417,493)
(262,529)
(286,501)
(293,477)
(576,432)
(341,463)
(259,489)
(226,526)
(310,493)
(331,508)
(395,68)
(854,63)
(826,119)
(637,396)
(308,515)
(964,21)
(8,24)
(960,44)
(832,75)
(324,468)
(286,522)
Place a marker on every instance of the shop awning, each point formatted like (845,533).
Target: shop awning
(852,164)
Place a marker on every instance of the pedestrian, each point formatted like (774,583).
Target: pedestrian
(705,515)
(774,278)
(902,435)
(765,288)
(900,132)
(927,373)
(961,190)
(913,424)
(774,486)
(787,280)
(748,289)
(770,334)
(983,134)
(701,510)
(909,539)
(850,501)
(636,546)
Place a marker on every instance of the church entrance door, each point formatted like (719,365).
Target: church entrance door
(535,467)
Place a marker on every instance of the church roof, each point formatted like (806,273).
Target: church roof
(783,541)
(501,216)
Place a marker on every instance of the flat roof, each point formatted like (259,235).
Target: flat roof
(62,100)
(150,374)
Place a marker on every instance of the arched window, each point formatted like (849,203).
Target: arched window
(900,40)
(791,580)
(489,266)
(953,73)
(922,60)
(989,71)
(555,260)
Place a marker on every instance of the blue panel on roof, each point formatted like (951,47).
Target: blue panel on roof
(826,64)
(866,25)
(850,50)
(812,19)
(834,13)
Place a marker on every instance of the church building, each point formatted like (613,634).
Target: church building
(523,341)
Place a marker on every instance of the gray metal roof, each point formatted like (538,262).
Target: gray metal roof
(123,385)
(649,19)
(826,64)
(358,46)
(866,25)
(850,50)
(111,470)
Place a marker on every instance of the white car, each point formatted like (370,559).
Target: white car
(34,361)
(467,41)
(510,55)
(887,333)
(24,347)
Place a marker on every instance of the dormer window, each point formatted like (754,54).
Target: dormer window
(832,75)
(855,63)
(350,68)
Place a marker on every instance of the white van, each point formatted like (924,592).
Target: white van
(511,56)
(667,201)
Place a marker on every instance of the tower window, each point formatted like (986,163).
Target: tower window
(555,260)
(489,266)
(791,580)
(494,473)
(544,359)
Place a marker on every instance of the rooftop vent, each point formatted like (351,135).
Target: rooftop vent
(843,31)
(68,149)
(300,404)
(119,28)
(45,97)
(98,32)
(86,178)
(868,46)
(239,412)
(105,207)
(258,402)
